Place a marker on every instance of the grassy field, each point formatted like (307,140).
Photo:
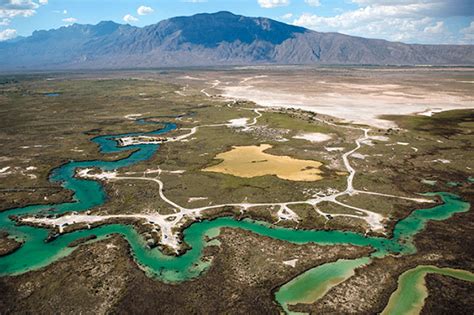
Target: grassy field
(43,131)
(40,132)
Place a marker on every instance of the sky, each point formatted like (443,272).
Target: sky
(409,21)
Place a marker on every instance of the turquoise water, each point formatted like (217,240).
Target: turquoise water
(35,253)
(311,285)
(88,194)
(411,293)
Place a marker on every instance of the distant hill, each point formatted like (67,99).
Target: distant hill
(220,38)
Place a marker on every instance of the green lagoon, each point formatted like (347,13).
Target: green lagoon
(36,253)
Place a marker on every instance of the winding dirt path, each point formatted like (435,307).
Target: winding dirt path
(170,224)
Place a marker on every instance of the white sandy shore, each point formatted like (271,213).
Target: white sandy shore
(353,107)
(132,116)
(239,122)
(314,137)
(126,141)
(169,224)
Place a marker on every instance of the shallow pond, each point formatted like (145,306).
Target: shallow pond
(411,293)
(36,253)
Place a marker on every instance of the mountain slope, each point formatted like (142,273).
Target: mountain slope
(221,38)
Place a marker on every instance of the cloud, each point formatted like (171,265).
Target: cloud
(13,8)
(18,5)
(143,10)
(313,3)
(287,16)
(4,22)
(7,34)
(433,8)
(268,4)
(23,8)
(399,20)
(130,18)
(468,34)
(435,29)
(70,20)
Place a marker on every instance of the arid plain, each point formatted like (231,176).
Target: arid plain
(378,181)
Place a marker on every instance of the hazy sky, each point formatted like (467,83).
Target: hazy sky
(422,21)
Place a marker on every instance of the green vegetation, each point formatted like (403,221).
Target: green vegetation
(41,132)
(444,124)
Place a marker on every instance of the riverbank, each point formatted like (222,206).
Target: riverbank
(371,182)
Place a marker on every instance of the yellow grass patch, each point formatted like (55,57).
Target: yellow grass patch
(252,161)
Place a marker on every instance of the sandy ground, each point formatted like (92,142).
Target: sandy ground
(170,224)
(238,122)
(351,106)
(256,161)
(252,161)
(358,95)
(314,137)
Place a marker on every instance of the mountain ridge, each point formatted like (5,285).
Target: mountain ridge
(207,39)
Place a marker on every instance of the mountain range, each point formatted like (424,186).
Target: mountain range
(220,38)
